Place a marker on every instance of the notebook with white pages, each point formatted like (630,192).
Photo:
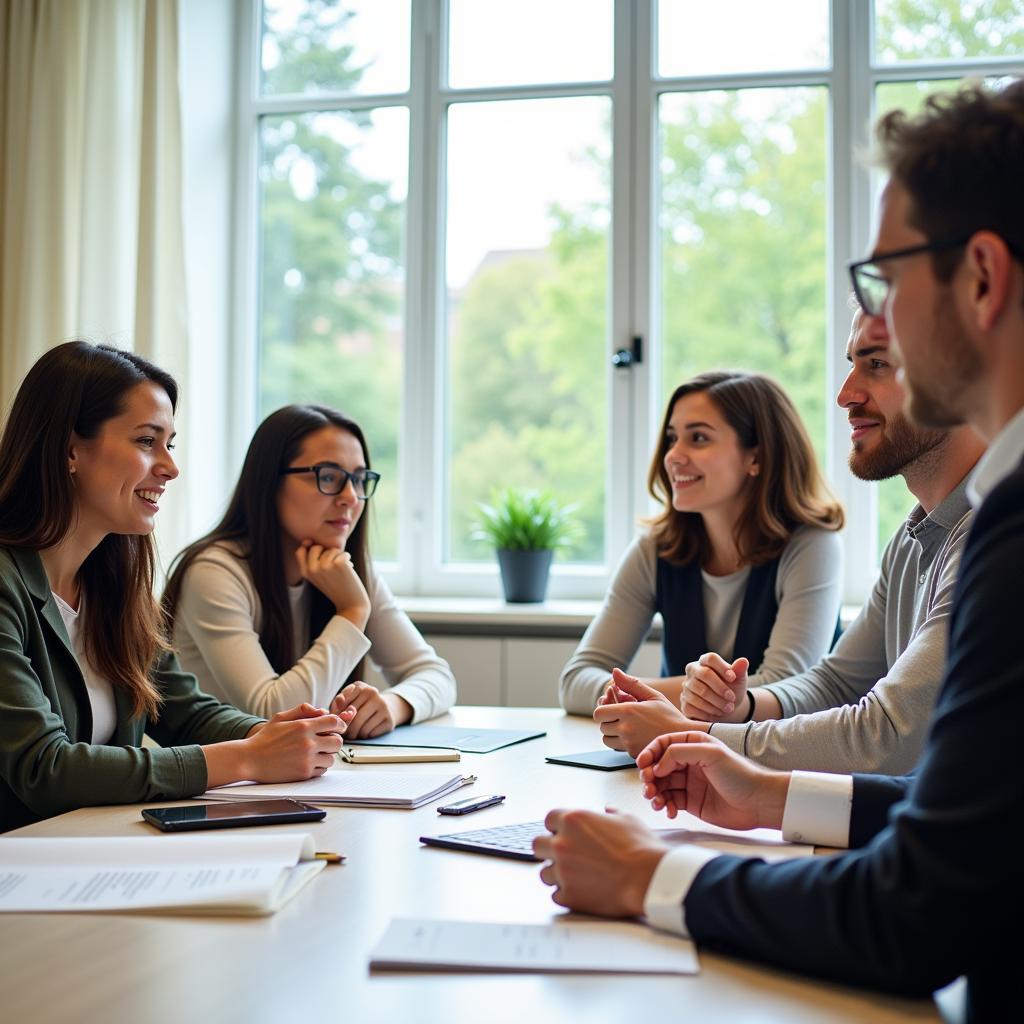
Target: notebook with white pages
(348,787)
(251,875)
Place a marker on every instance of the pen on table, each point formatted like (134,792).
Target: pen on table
(330,858)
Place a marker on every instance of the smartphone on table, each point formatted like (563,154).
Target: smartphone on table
(192,817)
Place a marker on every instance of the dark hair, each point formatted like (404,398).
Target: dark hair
(789,491)
(251,522)
(74,389)
(962,162)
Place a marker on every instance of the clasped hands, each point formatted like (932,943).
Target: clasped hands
(603,863)
(631,714)
(373,713)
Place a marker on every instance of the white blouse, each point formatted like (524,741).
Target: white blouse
(101,692)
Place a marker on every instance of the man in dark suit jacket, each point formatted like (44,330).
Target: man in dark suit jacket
(931,887)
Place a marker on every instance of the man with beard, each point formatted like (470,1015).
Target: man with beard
(931,885)
(866,705)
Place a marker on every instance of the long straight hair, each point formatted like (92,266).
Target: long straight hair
(252,528)
(789,491)
(74,389)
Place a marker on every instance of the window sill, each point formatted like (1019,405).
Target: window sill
(472,616)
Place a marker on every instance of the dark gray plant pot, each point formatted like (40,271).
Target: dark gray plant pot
(524,574)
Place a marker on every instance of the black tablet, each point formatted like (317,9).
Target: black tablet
(602,760)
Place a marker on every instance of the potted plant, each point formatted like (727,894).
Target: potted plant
(525,528)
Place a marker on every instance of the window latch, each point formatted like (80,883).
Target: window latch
(625,357)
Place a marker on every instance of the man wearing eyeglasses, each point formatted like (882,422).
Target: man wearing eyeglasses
(931,887)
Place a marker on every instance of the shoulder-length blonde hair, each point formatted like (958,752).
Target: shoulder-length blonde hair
(787,493)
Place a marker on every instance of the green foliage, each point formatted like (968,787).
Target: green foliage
(528,403)
(331,276)
(948,29)
(743,239)
(742,251)
(526,521)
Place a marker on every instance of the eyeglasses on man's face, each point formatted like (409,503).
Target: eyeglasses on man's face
(872,287)
(332,479)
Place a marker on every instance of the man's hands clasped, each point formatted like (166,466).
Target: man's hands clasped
(603,863)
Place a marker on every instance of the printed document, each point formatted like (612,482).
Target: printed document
(576,945)
(198,874)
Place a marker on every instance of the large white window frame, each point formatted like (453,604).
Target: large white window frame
(633,393)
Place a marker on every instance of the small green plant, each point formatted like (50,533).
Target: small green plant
(517,520)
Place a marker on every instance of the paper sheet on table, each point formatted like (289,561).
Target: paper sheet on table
(570,946)
(253,874)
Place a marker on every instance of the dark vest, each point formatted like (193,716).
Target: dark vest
(679,597)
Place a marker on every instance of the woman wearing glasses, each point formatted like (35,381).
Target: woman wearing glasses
(743,558)
(279,603)
(85,671)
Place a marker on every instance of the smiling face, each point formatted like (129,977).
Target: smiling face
(884,442)
(305,513)
(120,474)
(707,467)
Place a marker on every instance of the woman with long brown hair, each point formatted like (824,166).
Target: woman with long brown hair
(743,559)
(279,602)
(85,458)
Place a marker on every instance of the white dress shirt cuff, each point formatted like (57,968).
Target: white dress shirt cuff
(818,809)
(671,881)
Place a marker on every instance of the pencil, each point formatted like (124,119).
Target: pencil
(331,858)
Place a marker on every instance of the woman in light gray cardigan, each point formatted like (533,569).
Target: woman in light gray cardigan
(279,603)
(744,557)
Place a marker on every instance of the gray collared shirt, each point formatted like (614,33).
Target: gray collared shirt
(866,706)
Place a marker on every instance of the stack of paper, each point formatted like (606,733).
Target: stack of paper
(350,787)
(251,875)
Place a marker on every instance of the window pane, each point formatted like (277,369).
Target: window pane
(742,234)
(332,211)
(527,42)
(731,36)
(527,259)
(317,46)
(947,29)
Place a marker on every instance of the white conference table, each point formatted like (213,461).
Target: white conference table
(309,961)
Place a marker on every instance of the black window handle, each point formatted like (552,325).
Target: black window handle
(624,357)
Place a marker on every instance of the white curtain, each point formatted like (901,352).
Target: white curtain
(91,236)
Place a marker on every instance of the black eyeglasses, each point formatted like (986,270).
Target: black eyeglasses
(331,479)
(872,289)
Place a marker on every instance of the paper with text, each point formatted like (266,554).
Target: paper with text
(185,874)
(573,945)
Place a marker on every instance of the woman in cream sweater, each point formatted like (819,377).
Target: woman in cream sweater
(279,603)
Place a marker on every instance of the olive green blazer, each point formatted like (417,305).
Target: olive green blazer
(47,763)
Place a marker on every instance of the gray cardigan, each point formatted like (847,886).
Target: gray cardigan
(866,706)
(806,588)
